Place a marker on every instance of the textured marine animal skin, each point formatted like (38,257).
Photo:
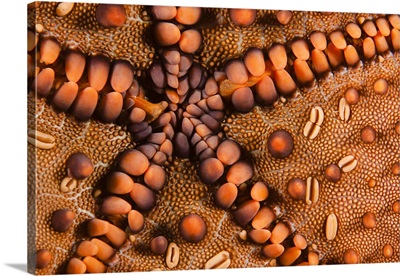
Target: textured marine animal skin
(355,215)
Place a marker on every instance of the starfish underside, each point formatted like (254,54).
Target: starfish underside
(184,193)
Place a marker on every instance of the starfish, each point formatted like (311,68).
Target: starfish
(311,174)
